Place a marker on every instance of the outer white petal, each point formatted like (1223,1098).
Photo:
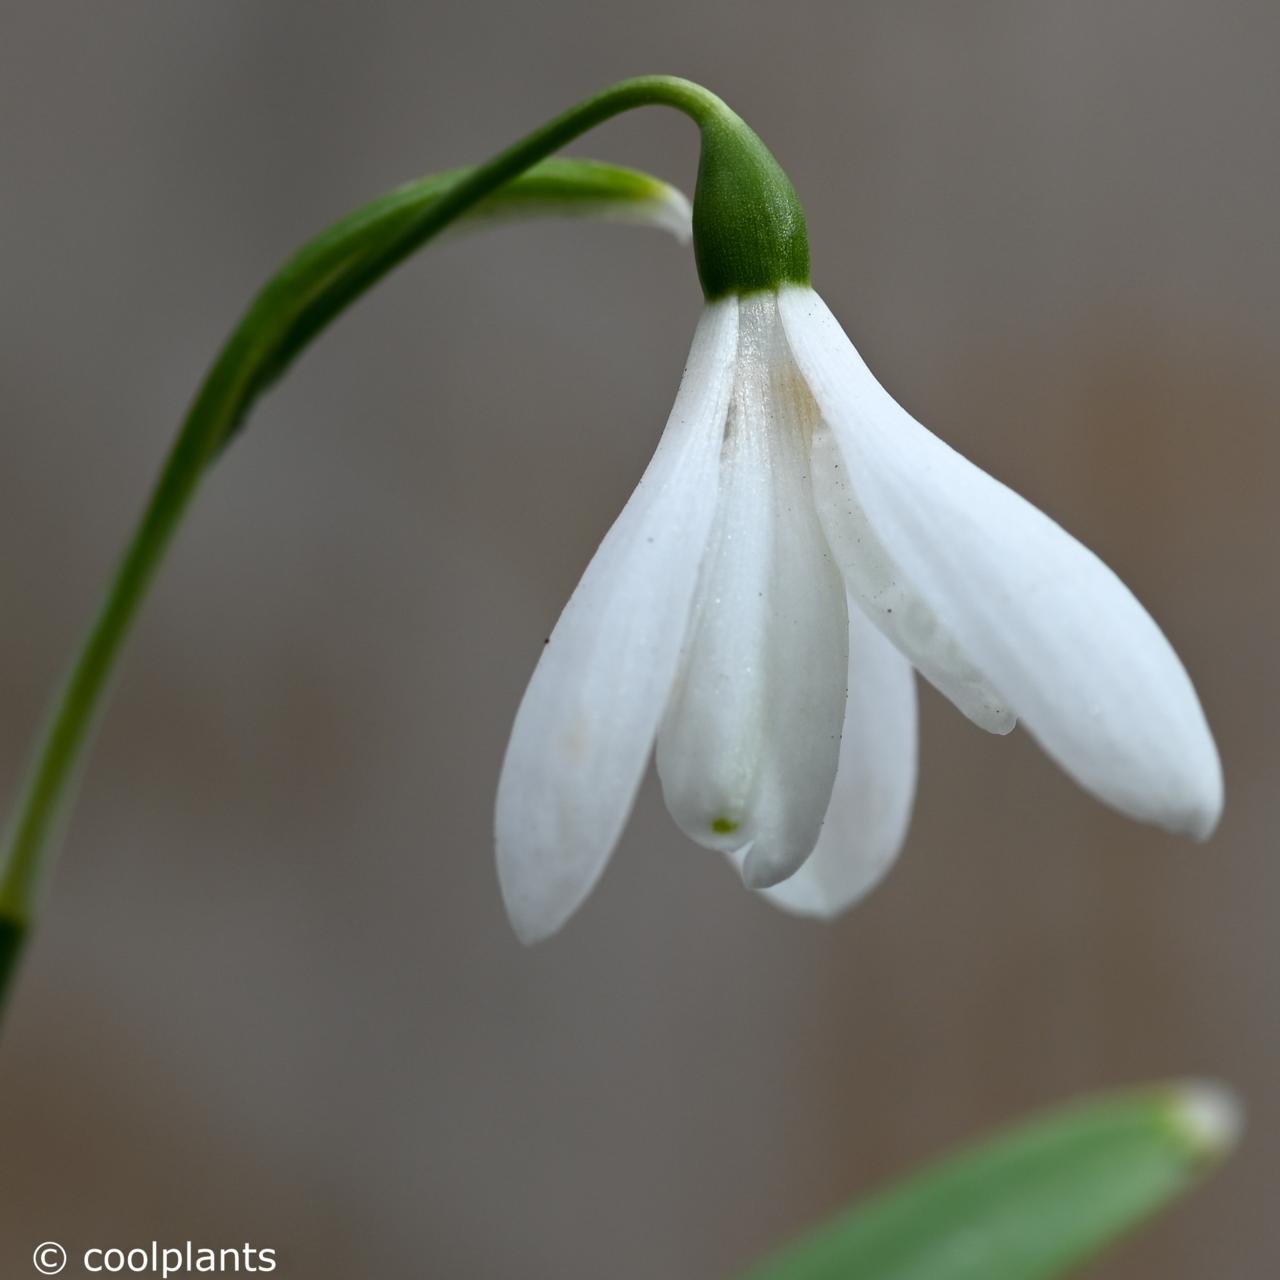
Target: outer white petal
(875,783)
(878,583)
(1046,622)
(587,723)
(747,752)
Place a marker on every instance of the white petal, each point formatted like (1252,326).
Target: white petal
(877,582)
(875,783)
(1040,616)
(747,751)
(585,728)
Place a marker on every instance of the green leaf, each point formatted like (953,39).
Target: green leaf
(569,188)
(334,268)
(1034,1202)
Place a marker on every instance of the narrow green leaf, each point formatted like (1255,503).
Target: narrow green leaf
(1032,1203)
(332,269)
(563,187)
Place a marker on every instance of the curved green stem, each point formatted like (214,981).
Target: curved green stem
(315,286)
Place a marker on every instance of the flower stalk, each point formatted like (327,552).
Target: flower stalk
(296,305)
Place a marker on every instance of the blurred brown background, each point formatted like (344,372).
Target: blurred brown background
(274,997)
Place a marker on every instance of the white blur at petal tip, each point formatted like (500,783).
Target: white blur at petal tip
(796,547)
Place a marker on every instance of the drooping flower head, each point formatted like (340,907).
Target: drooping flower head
(797,546)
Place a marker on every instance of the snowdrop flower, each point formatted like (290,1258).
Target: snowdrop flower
(798,545)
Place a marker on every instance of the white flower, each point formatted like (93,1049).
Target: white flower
(796,546)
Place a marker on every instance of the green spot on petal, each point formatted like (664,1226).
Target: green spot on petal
(724,826)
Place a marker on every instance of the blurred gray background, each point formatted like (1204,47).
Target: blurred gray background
(274,997)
